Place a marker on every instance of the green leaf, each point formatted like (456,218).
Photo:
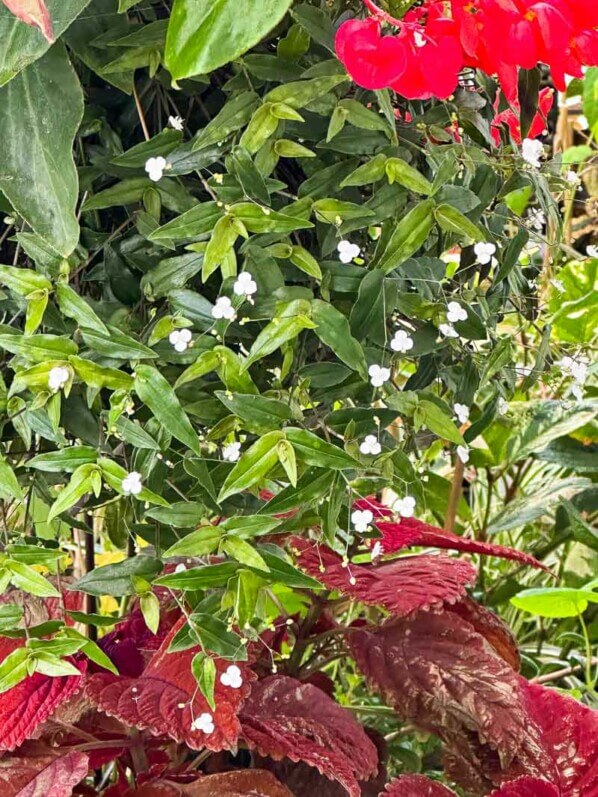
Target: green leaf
(537,423)
(13,669)
(452,220)
(199,543)
(554,601)
(398,171)
(10,616)
(409,235)
(259,414)
(279,331)
(283,572)
(253,465)
(74,306)
(23,44)
(334,331)
(286,455)
(79,485)
(116,345)
(306,262)
(38,348)
(114,474)
(97,376)
(198,578)
(311,486)
(438,421)
(247,589)
(65,460)
(258,219)
(40,113)
(216,638)
(312,450)
(9,485)
(157,394)
(29,580)
(243,552)
(204,672)
(249,526)
(23,280)
(590,99)
(206,34)
(196,222)
(150,609)
(300,93)
(182,515)
(117,580)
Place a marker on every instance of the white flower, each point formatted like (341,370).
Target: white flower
(131,484)
(405,507)
(532,151)
(463,454)
(578,369)
(484,252)
(402,342)
(155,168)
(361,519)
(232,677)
(448,331)
(462,412)
(370,445)
(245,284)
(180,339)
(455,312)
(58,377)
(223,309)
(176,122)
(503,406)
(572,177)
(347,251)
(378,375)
(204,723)
(536,219)
(231,452)
(377,550)
(592,251)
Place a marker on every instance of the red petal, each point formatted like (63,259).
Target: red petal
(31,702)
(409,531)
(372,60)
(416,786)
(33,12)
(284,718)
(41,772)
(401,587)
(153,700)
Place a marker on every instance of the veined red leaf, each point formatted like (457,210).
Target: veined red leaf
(241,783)
(401,587)
(443,676)
(527,787)
(416,786)
(33,12)
(284,718)
(491,627)
(39,771)
(165,699)
(32,701)
(409,531)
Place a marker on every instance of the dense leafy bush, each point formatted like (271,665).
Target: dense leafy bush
(257,319)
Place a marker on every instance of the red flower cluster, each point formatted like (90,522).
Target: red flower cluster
(424,56)
(510,118)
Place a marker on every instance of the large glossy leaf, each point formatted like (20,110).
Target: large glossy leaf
(253,466)
(22,44)
(285,718)
(203,35)
(40,112)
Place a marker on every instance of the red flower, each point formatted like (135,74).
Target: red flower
(373,61)
(511,118)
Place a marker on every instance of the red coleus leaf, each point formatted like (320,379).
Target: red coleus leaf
(165,699)
(416,786)
(33,12)
(527,787)
(491,627)
(409,531)
(442,675)
(242,783)
(284,718)
(40,771)
(402,586)
(31,702)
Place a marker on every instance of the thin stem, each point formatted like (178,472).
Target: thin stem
(141,115)
(451,510)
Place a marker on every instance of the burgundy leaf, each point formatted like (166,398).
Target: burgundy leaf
(402,586)
(33,12)
(165,699)
(31,702)
(416,786)
(131,644)
(409,531)
(36,773)
(570,737)
(527,787)
(284,718)
(491,627)
(244,783)
(440,674)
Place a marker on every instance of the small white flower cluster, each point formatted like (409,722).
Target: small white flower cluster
(405,507)
(532,152)
(176,122)
(370,445)
(402,342)
(58,377)
(462,412)
(155,168)
(578,370)
(231,452)
(245,285)
(454,312)
(347,251)
(484,252)
(180,339)
(463,454)
(361,519)
(223,309)
(204,723)
(232,677)
(536,219)
(132,484)
(377,550)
